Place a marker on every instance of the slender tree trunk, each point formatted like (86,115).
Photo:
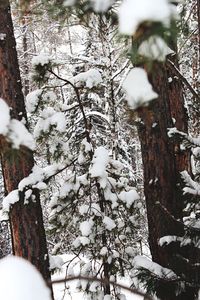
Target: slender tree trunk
(28,235)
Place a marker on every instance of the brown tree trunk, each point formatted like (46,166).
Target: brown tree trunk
(162,162)
(28,235)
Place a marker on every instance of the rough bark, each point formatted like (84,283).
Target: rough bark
(162,162)
(28,235)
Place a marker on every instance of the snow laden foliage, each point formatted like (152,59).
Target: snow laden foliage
(94,208)
(80,123)
(97,201)
(13,130)
(20,280)
(99,6)
(90,78)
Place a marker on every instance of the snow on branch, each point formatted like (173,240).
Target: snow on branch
(13,130)
(186,139)
(192,187)
(154,268)
(101,280)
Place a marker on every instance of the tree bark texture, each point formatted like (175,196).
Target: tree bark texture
(28,234)
(163,161)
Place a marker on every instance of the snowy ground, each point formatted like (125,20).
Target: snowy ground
(63,293)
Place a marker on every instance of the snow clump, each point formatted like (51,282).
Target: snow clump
(8,201)
(90,78)
(154,48)
(100,162)
(129,197)
(14,131)
(101,6)
(144,262)
(20,280)
(86,227)
(56,262)
(41,59)
(32,100)
(50,117)
(19,135)
(109,223)
(133,13)
(69,2)
(139,90)
(4,117)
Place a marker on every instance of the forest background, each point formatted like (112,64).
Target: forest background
(109,93)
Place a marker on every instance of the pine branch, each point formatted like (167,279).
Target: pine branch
(90,279)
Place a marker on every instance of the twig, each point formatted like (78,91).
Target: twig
(185,81)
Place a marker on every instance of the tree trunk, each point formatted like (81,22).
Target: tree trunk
(28,235)
(162,163)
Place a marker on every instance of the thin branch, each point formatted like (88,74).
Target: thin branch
(187,227)
(79,102)
(184,80)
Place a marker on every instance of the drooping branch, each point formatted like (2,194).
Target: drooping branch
(104,281)
(184,80)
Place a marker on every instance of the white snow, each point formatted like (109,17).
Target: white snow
(154,48)
(15,131)
(4,117)
(69,2)
(32,100)
(90,78)
(129,197)
(19,280)
(2,36)
(84,240)
(109,223)
(56,262)
(10,199)
(100,162)
(86,227)
(70,292)
(107,297)
(103,251)
(101,6)
(38,175)
(19,135)
(41,59)
(139,90)
(133,13)
(48,118)
(144,262)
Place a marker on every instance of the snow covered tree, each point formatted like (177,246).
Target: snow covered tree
(95,209)
(86,144)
